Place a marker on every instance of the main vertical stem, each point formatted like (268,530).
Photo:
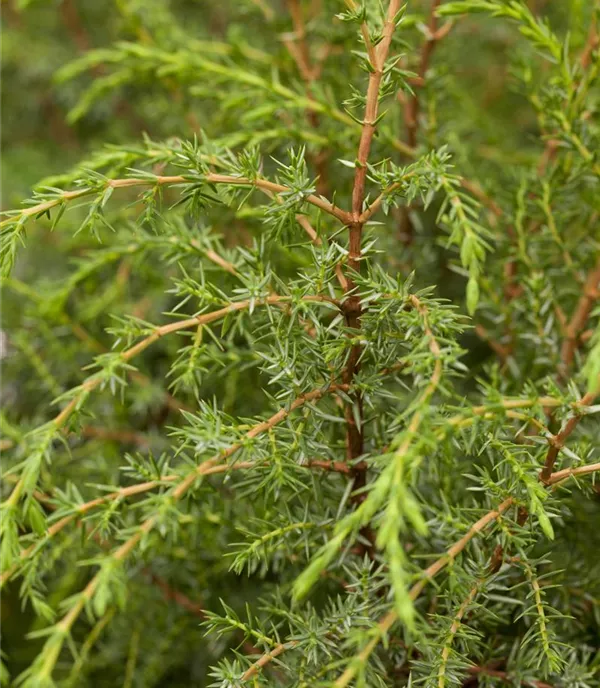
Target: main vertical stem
(352,307)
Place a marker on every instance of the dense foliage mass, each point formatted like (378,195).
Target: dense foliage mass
(302,358)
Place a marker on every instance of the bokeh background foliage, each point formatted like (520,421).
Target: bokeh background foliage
(490,135)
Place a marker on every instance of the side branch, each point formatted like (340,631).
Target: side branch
(428,575)
(55,641)
(92,383)
(266,659)
(559,476)
(558,441)
(212,178)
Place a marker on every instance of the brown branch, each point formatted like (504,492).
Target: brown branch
(505,676)
(211,178)
(503,352)
(214,464)
(476,190)
(170,593)
(75,28)
(352,308)
(371,109)
(298,46)
(95,381)
(559,476)
(428,575)
(558,441)
(266,659)
(173,594)
(434,35)
(590,293)
(116,435)
(334,466)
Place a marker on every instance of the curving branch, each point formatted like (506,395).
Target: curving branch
(210,178)
(95,381)
(428,575)
(558,441)
(297,47)
(54,644)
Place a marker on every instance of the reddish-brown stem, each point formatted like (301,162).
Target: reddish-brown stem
(371,109)
(412,106)
(590,293)
(76,30)
(352,309)
(115,434)
(476,190)
(335,466)
(170,593)
(499,349)
(411,113)
(557,442)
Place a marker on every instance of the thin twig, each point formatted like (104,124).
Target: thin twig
(456,624)
(560,476)
(592,43)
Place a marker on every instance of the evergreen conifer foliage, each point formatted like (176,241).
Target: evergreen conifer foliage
(308,395)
